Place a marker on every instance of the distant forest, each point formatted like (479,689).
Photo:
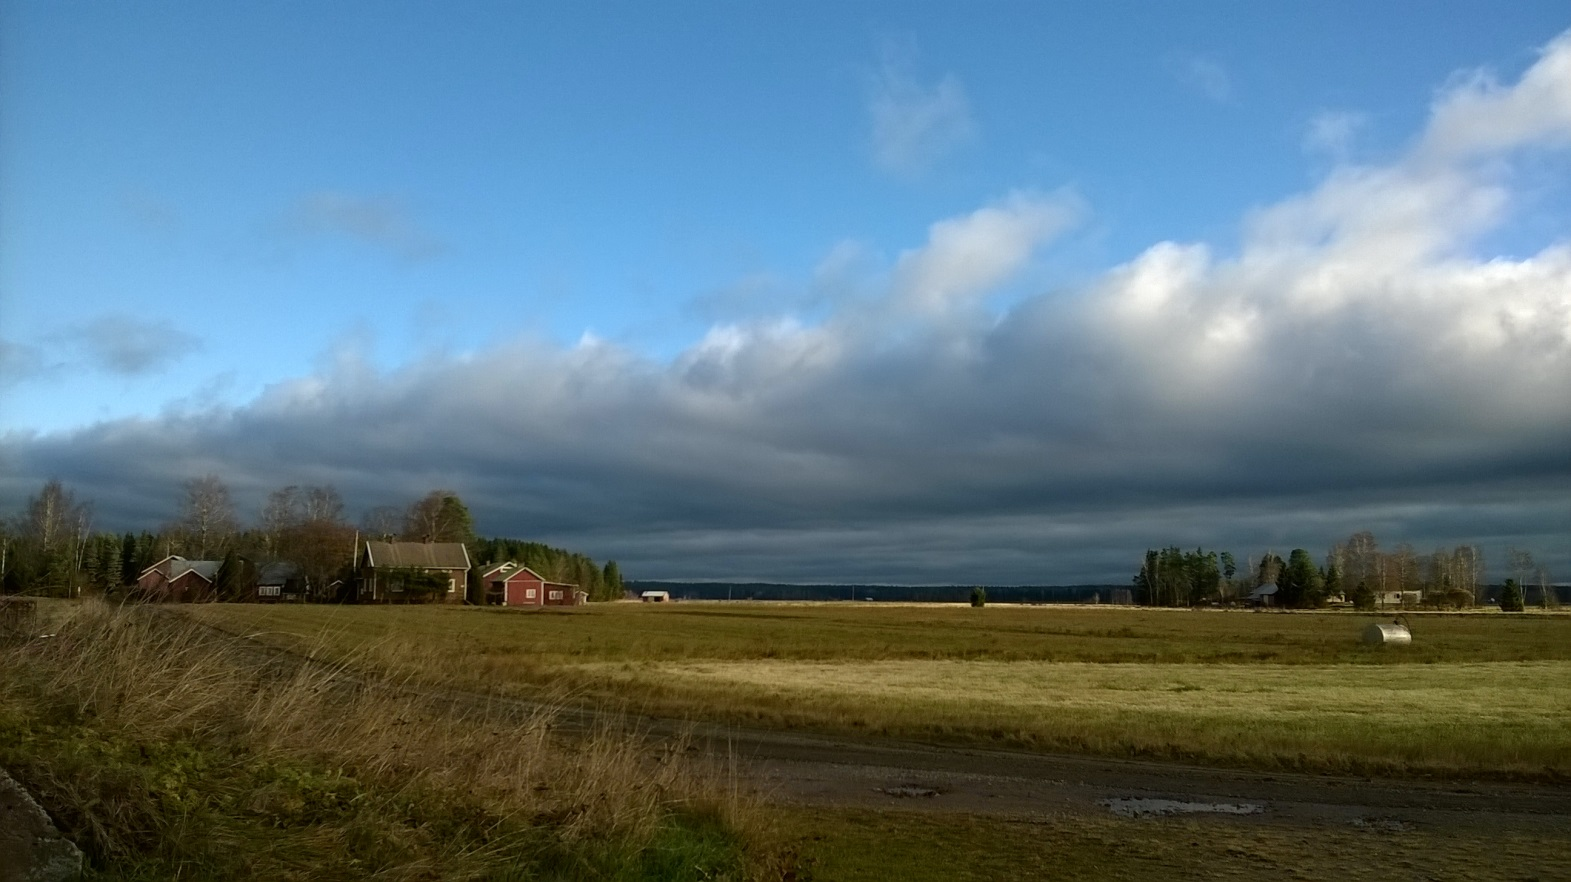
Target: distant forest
(1357,572)
(51,549)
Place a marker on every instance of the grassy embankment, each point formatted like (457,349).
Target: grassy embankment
(168,751)
(1475,694)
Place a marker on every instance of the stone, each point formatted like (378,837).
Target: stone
(31,849)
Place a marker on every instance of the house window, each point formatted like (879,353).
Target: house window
(452,584)
(530,594)
(556,595)
(267,590)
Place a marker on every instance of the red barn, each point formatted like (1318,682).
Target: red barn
(509,584)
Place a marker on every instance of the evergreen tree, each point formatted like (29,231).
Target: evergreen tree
(1511,597)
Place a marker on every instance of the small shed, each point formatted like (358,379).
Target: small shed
(1394,634)
(655,596)
(1265,595)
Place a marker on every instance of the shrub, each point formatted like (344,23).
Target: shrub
(979,596)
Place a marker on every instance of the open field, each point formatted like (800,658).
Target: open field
(1477,694)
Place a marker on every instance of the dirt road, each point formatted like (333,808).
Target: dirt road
(809,769)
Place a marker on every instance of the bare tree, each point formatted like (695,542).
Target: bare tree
(1522,567)
(207,517)
(279,513)
(383,522)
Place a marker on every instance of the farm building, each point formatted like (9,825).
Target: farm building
(655,596)
(280,582)
(405,572)
(511,584)
(1265,595)
(177,580)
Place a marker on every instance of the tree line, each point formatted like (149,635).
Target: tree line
(1356,571)
(50,547)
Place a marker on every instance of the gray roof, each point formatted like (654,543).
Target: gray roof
(432,555)
(178,566)
(277,573)
(1265,590)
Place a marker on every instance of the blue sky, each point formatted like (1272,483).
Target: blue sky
(664,237)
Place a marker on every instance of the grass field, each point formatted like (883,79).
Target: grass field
(867,846)
(1475,694)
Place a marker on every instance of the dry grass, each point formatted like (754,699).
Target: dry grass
(161,744)
(1512,717)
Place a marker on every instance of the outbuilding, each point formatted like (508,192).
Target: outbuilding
(655,596)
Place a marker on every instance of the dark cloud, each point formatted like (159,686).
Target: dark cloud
(1353,367)
(121,344)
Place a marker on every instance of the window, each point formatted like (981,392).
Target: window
(556,595)
(452,584)
(267,591)
(530,594)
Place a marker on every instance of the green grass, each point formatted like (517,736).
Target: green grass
(664,632)
(850,845)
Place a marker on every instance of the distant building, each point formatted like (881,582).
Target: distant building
(1265,595)
(387,571)
(655,596)
(510,584)
(177,580)
(277,582)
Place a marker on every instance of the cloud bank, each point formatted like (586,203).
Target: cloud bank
(1353,366)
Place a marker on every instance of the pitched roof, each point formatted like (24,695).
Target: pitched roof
(508,569)
(174,566)
(278,573)
(1265,590)
(433,555)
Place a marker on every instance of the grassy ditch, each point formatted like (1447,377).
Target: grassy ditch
(167,751)
(1476,694)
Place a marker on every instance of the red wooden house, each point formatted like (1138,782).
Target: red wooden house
(509,584)
(178,580)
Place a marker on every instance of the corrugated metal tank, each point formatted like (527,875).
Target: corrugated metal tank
(1385,635)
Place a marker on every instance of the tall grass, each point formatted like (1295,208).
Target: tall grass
(168,750)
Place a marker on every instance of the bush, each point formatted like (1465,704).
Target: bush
(979,596)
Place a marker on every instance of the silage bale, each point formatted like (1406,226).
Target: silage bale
(1378,634)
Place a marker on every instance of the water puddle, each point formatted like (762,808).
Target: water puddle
(1147,808)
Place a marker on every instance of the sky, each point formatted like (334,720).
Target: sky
(885,292)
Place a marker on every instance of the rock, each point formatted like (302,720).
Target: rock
(31,849)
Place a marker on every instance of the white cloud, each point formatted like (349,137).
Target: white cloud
(1476,114)
(1332,132)
(913,124)
(1207,77)
(968,257)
